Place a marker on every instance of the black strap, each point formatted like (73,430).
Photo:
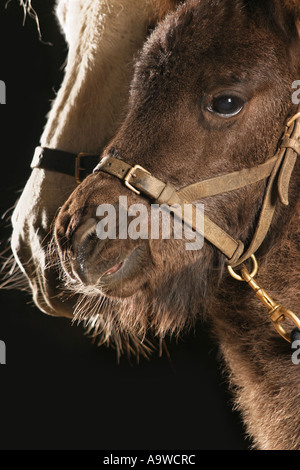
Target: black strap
(78,165)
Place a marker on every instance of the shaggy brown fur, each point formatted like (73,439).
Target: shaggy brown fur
(249,48)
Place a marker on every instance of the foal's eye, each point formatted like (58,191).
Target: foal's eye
(226,105)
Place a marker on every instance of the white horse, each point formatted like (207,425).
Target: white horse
(103,38)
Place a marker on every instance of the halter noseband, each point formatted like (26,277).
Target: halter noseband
(277,169)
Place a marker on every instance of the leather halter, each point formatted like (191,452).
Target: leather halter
(277,169)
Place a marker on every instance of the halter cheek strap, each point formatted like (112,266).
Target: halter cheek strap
(277,169)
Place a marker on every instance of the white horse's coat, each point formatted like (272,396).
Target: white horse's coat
(103,38)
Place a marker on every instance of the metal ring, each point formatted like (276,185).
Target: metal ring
(240,278)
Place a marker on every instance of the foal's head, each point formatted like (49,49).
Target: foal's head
(211,91)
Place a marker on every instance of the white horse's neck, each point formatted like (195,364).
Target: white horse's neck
(92,100)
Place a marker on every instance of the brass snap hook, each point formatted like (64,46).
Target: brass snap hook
(277,312)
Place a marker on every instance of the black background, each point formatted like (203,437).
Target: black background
(58,390)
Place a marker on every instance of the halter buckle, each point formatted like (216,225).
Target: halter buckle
(131,174)
(78,168)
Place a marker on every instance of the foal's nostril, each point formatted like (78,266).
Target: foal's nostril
(85,232)
(66,224)
(64,228)
(86,248)
(61,224)
(74,222)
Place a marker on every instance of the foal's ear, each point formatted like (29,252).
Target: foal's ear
(293,8)
(298,27)
(293,11)
(279,15)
